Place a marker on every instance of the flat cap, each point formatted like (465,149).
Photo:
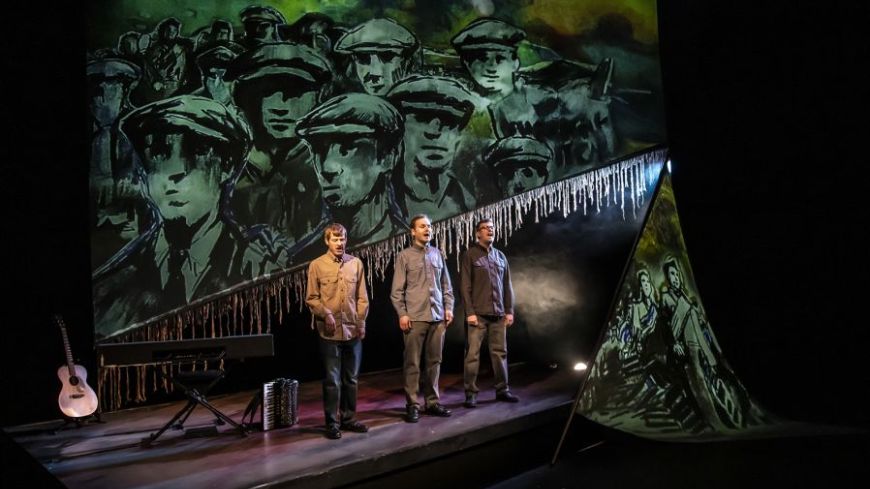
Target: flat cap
(432,94)
(357,114)
(517,151)
(260,13)
(281,58)
(113,68)
(217,56)
(168,22)
(200,116)
(487,33)
(377,35)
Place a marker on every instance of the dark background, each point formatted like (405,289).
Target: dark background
(766,116)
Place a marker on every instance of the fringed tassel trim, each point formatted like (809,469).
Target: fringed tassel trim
(249,307)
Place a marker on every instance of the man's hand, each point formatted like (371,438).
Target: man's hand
(471,320)
(405,323)
(448,316)
(678,349)
(508,319)
(330,324)
(361,332)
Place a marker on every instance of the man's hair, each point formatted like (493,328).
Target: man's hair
(481,221)
(417,218)
(334,228)
(671,262)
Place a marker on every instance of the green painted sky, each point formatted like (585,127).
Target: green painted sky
(434,21)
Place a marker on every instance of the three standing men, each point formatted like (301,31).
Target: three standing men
(422,295)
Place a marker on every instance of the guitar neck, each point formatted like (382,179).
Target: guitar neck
(69,358)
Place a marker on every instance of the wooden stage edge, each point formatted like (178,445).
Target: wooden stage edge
(109,455)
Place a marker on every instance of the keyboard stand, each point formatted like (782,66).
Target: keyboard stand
(195,385)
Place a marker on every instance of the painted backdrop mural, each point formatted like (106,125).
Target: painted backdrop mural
(659,371)
(226,135)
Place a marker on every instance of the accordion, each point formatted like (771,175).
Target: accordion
(280,403)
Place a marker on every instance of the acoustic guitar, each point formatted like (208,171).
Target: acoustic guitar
(76,399)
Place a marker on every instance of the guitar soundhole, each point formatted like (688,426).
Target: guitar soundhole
(74,380)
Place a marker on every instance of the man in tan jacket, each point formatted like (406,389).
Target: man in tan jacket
(339,303)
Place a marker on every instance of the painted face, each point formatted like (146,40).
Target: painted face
(348,171)
(378,71)
(107,98)
(169,32)
(183,175)
(430,142)
(260,31)
(281,110)
(522,179)
(213,81)
(336,244)
(645,286)
(486,233)
(422,231)
(129,44)
(222,34)
(674,277)
(492,69)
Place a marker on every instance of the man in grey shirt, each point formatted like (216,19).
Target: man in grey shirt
(423,299)
(488,295)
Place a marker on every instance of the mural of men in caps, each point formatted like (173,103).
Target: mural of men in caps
(190,149)
(519,164)
(521,106)
(167,63)
(315,30)
(488,49)
(587,126)
(213,64)
(275,86)
(382,51)
(436,110)
(113,191)
(261,25)
(320,32)
(221,32)
(357,142)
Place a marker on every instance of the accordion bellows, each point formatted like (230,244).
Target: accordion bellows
(280,404)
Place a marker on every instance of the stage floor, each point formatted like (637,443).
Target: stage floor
(108,455)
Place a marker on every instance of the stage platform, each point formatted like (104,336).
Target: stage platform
(109,455)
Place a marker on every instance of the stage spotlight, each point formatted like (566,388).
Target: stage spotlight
(580,366)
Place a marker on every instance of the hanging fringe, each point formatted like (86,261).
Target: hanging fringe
(239,311)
